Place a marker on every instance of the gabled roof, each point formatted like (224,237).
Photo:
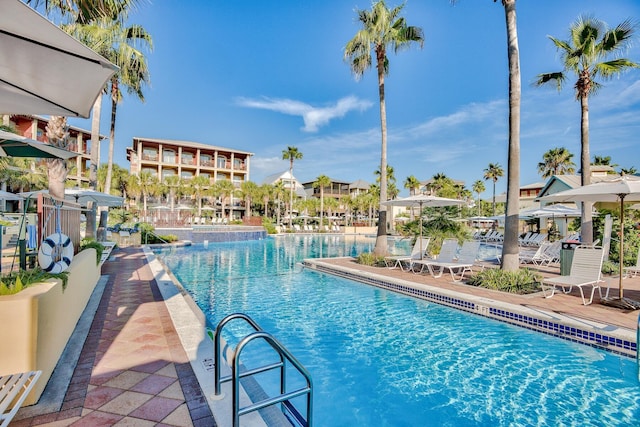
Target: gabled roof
(361,184)
(566,182)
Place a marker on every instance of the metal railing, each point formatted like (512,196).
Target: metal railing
(285,396)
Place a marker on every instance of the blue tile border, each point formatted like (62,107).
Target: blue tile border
(588,337)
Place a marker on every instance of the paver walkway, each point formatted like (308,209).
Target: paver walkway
(132,369)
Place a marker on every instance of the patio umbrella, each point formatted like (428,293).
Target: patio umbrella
(423,200)
(83,195)
(43,70)
(619,190)
(14,145)
(5,195)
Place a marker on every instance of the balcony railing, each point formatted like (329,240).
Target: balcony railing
(150,157)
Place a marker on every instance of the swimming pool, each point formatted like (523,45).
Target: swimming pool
(382,359)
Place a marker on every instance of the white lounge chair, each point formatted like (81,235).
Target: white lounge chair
(417,253)
(586,270)
(545,254)
(14,389)
(465,261)
(448,252)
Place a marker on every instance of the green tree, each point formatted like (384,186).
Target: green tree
(226,189)
(198,185)
(493,172)
(321,182)
(291,154)
(556,161)
(584,55)
(628,171)
(249,190)
(478,187)
(381,28)
(412,184)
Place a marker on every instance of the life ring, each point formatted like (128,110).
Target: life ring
(56,253)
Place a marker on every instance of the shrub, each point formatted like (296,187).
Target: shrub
(92,243)
(15,282)
(268,225)
(522,281)
(367,258)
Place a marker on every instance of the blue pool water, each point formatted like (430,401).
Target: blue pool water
(378,358)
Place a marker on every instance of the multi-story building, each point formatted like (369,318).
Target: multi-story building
(163,158)
(79,141)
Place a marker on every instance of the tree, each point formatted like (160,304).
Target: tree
(478,187)
(381,28)
(291,154)
(225,188)
(173,184)
(493,172)
(321,182)
(604,161)
(412,184)
(199,186)
(133,73)
(628,171)
(556,161)
(250,191)
(584,55)
(57,168)
(147,184)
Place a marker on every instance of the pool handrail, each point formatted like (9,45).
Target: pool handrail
(285,397)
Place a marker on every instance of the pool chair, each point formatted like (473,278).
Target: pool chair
(545,254)
(585,271)
(13,391)
(465,261)
(448,252)
(634,269)
(402,261)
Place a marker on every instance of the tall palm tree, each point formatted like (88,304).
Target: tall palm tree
(321,182)
(584,55)
(57,135)
(291,154)
(628,171)
(199,186)
(128,43)
(249,191)
(478,187)
(412,184)
(381,28)
(266,192)
(556,161)
(493,172)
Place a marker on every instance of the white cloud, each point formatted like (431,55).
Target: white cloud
(313,117)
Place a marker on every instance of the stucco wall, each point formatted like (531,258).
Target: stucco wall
(36,323)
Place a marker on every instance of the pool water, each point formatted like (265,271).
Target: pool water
(378,358)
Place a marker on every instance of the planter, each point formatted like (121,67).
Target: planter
(37,322)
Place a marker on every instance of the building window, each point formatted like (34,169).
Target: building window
(222,162)
(168,156)
(150,154)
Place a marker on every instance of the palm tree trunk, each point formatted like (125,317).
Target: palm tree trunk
(586,229)
(510,249)
(93,164)
(291,194)
(380,248)
(112,135)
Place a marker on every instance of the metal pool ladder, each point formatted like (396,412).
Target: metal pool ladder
(284,398)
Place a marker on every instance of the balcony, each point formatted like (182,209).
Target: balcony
(150,157)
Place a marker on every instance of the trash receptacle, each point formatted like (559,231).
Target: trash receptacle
(566,256)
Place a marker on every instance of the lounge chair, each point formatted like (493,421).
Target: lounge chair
(13,390)
(634,269)
(448,252)
(464,262)
(545,254)
(417,253)
(585,270)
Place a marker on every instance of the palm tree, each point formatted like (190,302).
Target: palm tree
(147,184)
(173,184)
(322,181)
(199,186)
(628,171)
(291,154)
(249,191)
(412,184)
(584,54)
(225,188)
(556,161)
(133,73)
(493,172)
(478,187)
(381,28)
(604,161)
(266,192)
(57,168)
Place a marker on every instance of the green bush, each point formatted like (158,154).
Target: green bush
(367,258)
(92,243)
(268,225)
(522,281)
(15,282)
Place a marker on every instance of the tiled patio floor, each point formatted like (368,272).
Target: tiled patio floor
(132,369)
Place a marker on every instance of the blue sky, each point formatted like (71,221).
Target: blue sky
(259,76)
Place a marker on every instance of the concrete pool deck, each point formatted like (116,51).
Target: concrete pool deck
(146,359)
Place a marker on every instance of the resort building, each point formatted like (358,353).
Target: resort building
(163,158)
(288,181)
(79,141)
(337,190)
